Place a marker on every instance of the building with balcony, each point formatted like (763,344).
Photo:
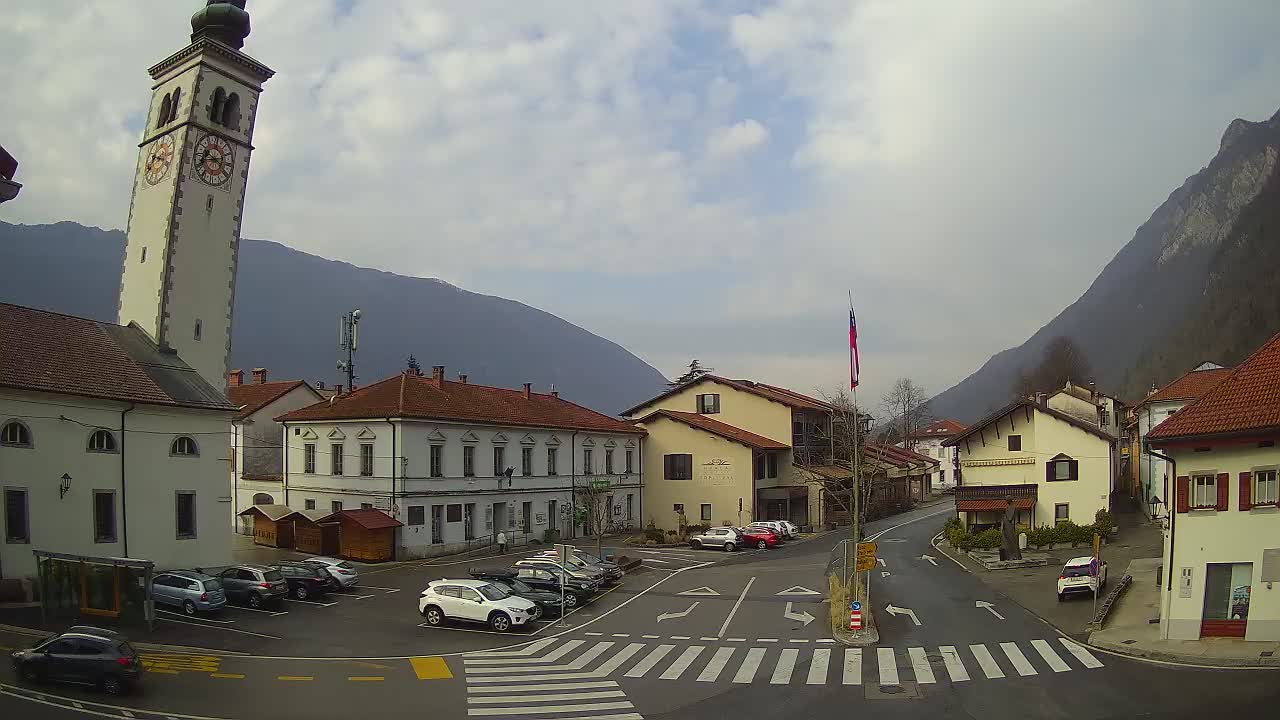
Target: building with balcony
(928,441)
(1054,466)
(457,463)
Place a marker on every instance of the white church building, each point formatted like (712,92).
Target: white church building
(113,437)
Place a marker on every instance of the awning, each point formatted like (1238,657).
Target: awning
(995,505)
(792,492)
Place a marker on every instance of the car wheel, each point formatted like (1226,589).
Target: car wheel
(762,544)
(730,547)
(500,622)
(300,592)
(433,615)
(1060,597)
(255,600)
(695,544)
(188,607)
(111,685)
(570,600)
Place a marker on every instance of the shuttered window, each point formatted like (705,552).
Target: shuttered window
(1204,491)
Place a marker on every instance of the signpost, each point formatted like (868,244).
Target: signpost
(1095,568)
(562,554)
(855,615)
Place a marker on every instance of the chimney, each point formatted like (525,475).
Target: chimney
(259,375)
(1093,390)
(437,375)
(528,391)
(235,378)
(462,378)
(555,394)
(337,390)
(1040,399)
(319,384)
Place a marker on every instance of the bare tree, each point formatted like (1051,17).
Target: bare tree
(593,507)
(694,372)
(839,437)
(1062,360)
(908,405)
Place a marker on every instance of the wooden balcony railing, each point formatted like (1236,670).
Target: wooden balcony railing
(996,492)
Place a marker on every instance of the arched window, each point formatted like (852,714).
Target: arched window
(263,499)
(231,112)
(15,434)
(173,109)
(102,441)
(165,107)
(215,107)
(184,446)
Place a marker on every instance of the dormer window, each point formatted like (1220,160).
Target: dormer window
(709,403)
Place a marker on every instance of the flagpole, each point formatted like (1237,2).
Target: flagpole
(857,479)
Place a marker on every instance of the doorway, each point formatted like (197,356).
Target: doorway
(500,522)
(1227,587)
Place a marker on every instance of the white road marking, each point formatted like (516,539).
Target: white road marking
(548,686)
(713,639)
(1051,658)
(218,627)
(824,640)
(986,662)
(682,663)
(653,658)
(1084,656)
(955,668)
(593,634)
(799,640)
(786,665)
(736,605)
(735,639)
(202,619)
(535,678)
(622,635)
(549,709)
(852,666)
(888,666)
(1020,662)
(920,666)
(818,667)
(589,656)
(559,697)
(760,640)
(530,649)
(618,659)
(547,659)
(716,665)
(747,671)
(681,637)
(656,560)
(799,590)
(375,587)
(646,637)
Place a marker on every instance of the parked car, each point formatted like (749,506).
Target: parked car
(253,585)
(82,655)
(575,569)
(306,580)
(547,600)
(474,601)
(761,537)
(191,591)
(609,572)
(726,538)
(341,570)
(1081,575)
(775,525)
(793,528)
(576,591)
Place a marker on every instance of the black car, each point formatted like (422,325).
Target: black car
(548,601)
(576,591)
(305,579)
(83,655)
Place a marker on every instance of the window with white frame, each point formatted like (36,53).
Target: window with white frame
(437,461)
(1204,491)
(468,460)
(335,459)
(366,459)
(551,461)
(499,460)
(102,441)
(1265,488)
(526,461)
(184,446)
(608,462)
(709,404)
(15,434)
(309,458)
(628,458)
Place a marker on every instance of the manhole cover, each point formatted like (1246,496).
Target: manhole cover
(891,689)
(933,658)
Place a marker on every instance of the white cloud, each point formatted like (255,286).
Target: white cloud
(730,140)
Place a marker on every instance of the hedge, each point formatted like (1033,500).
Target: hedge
(1062,533)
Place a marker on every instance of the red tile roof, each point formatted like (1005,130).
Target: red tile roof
(367,518)
(777,394)
(253,397)
(715,427)
(1021,403)
(51,352)
(943,428)
(1190,386)
(418,397)
(899,457)
(995,505)
(1245,401)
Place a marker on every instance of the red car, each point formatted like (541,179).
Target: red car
(761,537)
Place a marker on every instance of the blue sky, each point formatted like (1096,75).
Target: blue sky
(688,179)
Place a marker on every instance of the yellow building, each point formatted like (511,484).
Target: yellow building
(723,451)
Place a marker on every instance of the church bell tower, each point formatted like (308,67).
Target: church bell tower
(179,277)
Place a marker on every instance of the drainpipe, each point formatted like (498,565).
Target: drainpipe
(573,485)
(285,477)
(1168,571)
(393,478)
(235,478)
(640,450)
(124,500)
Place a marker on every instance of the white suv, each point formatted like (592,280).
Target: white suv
(1081,575)
(777,526)
(475,601)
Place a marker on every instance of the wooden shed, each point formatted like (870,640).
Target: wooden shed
(366,535)
(309,535)
(269,525)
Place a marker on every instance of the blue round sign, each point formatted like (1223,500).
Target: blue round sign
(855,605)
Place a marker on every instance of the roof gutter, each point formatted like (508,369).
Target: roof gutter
(1209,437)
(393,476)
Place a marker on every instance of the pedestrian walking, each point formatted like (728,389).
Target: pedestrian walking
(502,542)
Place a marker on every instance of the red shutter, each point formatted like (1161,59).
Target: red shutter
(1183,490)
(1224,481)
(1246,483)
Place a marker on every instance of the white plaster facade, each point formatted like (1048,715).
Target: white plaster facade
(257,456)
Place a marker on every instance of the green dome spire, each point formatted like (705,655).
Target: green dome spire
(223,20)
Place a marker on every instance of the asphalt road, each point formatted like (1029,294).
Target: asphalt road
(704,634)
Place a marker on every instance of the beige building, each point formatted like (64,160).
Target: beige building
(1055,467)
(723,451)
(1222,513)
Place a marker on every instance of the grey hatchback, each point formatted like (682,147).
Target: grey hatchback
(191,591)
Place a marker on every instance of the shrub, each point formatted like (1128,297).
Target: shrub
(653,533)
(1103,522)
(1040,536)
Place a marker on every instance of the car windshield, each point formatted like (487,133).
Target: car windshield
(518,586)
(493,592)
(125,649)
(272,575)
(346,565)
(212,584)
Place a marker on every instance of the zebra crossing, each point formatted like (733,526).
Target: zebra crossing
(558,660)
(510,684)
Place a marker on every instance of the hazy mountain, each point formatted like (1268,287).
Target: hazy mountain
(1196,282)
(288,304)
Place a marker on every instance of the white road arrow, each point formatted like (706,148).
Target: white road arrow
(989,607)
(903,611)
(803,617)
(930,558)
(704,590)
(668,616)
(799,590)
(881,562)
(885,573)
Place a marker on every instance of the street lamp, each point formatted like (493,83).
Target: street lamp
(65,487)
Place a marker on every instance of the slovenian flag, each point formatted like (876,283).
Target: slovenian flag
(853,351)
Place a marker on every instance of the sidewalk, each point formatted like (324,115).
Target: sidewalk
(1129,630)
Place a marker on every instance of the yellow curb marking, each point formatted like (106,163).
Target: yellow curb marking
(359,678)
(295,677)
(232,676)
(430,668)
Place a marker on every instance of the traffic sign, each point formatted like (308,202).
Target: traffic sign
(866,558)
(855,605)
(599,484)
(855,620)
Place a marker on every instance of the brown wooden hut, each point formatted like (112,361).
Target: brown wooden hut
(366,535)
(309,535)
(269,525)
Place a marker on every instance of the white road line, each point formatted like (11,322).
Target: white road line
(549,709)
(530,649)
(202,620)
(1020,662)
(539,688)
(888,666)
(797,640)
(852,666)
(736,605)
(375,587)
(311,602)
(615,662)
(735,639)
(594,634)
(986,662)
(646,637)
(716,665)
(656,560)
(682,663)
(594,695)
(1085,657)
(824,640)
(681,637)
(533,678)
(786,665)
(223,629)
(712,639)
(589,656)
(653,658)
(760,640)
(551,657)
(920,666)
(272,613)
(955,668)
(747,671)
(818,667)
(1051,658)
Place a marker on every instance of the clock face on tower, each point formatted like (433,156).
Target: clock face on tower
(213,160)
(159,157)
